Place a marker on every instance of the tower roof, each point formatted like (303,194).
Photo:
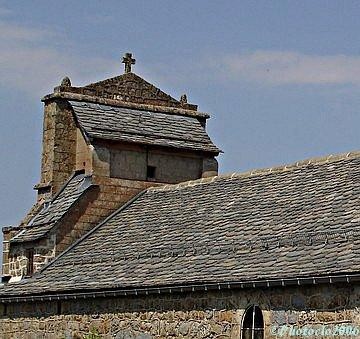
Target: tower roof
(142,127)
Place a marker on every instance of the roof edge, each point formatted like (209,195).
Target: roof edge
(125,104)
(262,171)
(192,287)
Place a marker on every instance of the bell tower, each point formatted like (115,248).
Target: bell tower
(103,143)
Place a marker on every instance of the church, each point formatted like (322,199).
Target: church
(134,234)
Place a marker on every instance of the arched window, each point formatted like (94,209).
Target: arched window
(252,324)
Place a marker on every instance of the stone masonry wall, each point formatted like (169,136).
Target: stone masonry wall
(8,233)
(59,144)
(65,145)
(44,251)
(187,315)
(48,142)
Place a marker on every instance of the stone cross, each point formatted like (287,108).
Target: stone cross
(128,61)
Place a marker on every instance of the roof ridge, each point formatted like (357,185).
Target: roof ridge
(262,171)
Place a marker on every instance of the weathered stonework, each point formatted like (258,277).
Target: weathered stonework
(59,147)
(215,314)
(8,233)
(44,251)
(129,88)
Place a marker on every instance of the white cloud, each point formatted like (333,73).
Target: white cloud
(29,61)
(283,67)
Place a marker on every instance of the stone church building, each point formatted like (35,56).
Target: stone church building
(135,235)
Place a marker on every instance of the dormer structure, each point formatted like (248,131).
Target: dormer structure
(102,144)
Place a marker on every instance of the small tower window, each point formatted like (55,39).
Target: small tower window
(252,324)
(151,172)
(30,262)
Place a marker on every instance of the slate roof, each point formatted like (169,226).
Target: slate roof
(293,221)
(53,211)
(144,127)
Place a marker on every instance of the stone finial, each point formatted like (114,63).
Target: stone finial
(183,99)
(66,82)
(128,61)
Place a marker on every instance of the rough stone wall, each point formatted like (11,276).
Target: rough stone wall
(8,233)
(44,251)
(48,142)
(187,315)
(59,145)
(65,145)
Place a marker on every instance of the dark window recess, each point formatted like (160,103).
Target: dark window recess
(253,324)
(44,190)
(30,262)
(150,173)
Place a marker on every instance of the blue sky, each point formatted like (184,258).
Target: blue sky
(280,78)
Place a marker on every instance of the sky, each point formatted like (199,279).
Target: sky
(281,79)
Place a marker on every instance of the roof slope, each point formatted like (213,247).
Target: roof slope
(55,210)
(286,222)
(144,127)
